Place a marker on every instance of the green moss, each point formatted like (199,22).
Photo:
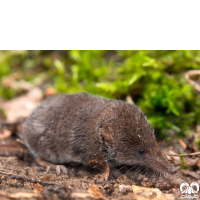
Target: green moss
(154,79)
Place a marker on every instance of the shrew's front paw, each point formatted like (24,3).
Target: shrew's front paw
(101,163)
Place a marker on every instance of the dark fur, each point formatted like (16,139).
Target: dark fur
(72,128)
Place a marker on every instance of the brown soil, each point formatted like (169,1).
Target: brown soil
(22,178)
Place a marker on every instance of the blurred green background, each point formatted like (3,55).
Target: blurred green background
(154,79)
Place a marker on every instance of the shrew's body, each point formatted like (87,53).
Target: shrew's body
(73,128)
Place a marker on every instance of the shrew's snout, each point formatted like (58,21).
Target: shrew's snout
(162,165)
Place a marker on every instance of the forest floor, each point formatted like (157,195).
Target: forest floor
(22,178)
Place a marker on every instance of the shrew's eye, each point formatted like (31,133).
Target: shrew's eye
(141,150)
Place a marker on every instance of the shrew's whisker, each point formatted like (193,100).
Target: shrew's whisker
(131,169)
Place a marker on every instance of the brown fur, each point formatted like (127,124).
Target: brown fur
(72,128)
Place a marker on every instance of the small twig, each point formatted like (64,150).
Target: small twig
(20,195)
(23,178)
(185,155)
(129,99)
(188,75)
(8,124)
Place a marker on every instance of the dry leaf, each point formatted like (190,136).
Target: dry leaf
(50,92)
(46,177)
(93,189)
(38,188)
(6,134)
(21,107)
